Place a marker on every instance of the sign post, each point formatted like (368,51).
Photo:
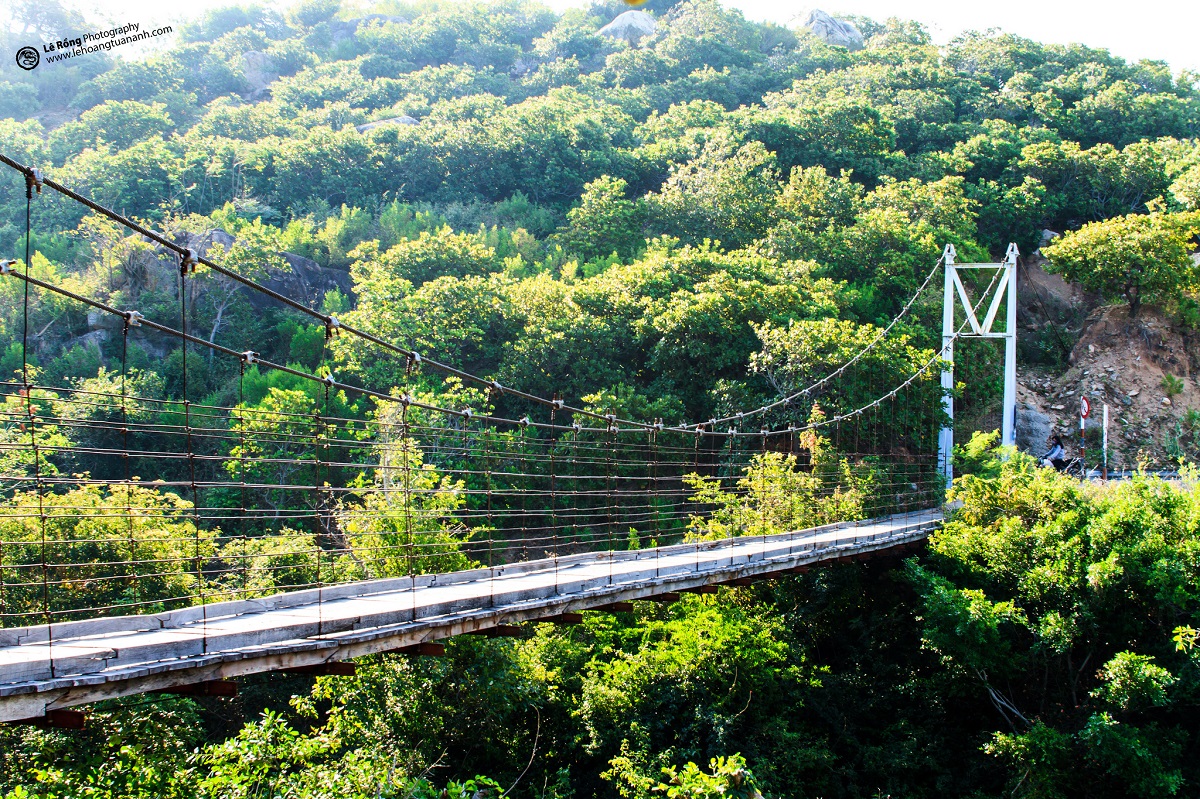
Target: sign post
(1085,408)
(1105,446)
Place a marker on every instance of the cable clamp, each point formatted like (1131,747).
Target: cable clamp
(406,399)
(250,356)
(6,267)
(467,413)
(764,432)
(415,357)
(187,261)
(659,425)
(524,421)
(733,431)
(332,326)
(495,386)
(558,404)
(577,427)
(33,179)
(329,380)
(133,318)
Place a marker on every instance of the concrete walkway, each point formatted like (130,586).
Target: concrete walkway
(48,668)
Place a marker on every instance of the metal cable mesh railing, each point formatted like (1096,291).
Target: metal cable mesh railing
(130,512)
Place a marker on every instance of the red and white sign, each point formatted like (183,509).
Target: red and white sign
(1085,407)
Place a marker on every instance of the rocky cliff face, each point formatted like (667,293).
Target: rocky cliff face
(304,280)
(1144,369)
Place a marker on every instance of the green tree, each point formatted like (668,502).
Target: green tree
(727,193)
(605,221)
(1139,258)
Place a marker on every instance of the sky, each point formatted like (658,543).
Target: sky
(1161,30)
(1165,30)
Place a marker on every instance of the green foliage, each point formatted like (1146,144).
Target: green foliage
(796,356)
(980,456)
(145,560)
(18,101)
(1048,597)
(411,531)
(605,221)
(1133,682)
(728,777)
(775,496)
(727,193)
(135,749)
(1137,258)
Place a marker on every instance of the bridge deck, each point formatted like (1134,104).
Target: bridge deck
(74,663)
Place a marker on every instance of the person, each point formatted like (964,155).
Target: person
(1055,458)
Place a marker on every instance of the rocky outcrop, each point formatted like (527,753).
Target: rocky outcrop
(400,120)
(1047,298)
(305,280)
(632,27)
(201,243)
(831,30)
(1144,369)
(260,71)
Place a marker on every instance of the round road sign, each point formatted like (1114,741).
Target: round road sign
(1085,407)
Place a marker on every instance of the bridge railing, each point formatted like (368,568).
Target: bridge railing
(115,505)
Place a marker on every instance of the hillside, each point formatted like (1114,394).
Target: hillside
(670,213)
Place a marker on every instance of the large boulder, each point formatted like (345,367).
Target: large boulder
(260,71)
(400,120)
(201,243)
(307,281)
(632,26)
(830,30)
(1033,429)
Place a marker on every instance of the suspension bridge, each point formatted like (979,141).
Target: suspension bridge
(152,544)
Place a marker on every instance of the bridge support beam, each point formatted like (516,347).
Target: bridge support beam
(955,295)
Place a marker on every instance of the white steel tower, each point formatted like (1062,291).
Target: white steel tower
(956,295)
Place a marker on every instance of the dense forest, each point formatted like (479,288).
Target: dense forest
(675,226)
